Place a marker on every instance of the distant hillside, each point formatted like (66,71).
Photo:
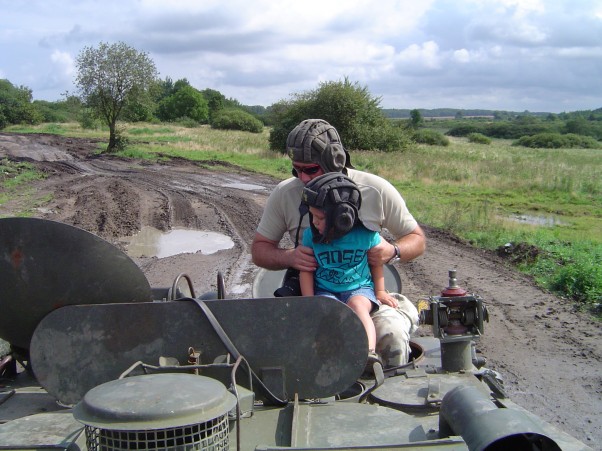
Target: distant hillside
(394,113)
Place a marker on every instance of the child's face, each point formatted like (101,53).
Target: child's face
(319,219)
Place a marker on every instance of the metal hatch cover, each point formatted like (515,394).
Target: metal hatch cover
(45,265)
(318,343)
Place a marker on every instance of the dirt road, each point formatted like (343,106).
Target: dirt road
(549,355)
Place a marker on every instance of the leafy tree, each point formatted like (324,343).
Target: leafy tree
(109,78)
(215,101)
(16,106)
(349,107)
(578,125)
(416,119)
(185,102)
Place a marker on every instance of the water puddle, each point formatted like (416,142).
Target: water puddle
(539,220)
(244,186)
(151,242)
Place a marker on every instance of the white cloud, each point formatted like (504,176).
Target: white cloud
(462,56)
(424,55)
(471,53)
(63,62)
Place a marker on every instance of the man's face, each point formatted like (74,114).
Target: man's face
(319,219)
(307,171)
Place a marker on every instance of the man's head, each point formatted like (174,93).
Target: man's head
(316,142)
(339,198)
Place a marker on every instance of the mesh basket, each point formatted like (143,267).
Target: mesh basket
(211,435)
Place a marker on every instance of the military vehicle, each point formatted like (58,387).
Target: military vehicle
(96,359)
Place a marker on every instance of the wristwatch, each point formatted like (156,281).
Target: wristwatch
(396,256)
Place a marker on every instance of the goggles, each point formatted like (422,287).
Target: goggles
(308,170)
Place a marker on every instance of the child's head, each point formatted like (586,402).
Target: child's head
(334,201)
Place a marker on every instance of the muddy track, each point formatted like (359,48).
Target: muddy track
(549,355)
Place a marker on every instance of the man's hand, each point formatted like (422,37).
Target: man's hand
(381,253)
(410,246)
(303,259)
(267,254)
(385,298)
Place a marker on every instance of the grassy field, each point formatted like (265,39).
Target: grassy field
(548,200)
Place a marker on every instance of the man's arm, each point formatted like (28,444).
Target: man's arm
(268,255)
(410,246)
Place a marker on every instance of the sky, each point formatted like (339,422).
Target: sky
(511,55)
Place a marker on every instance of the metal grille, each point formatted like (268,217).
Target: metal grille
(212,435)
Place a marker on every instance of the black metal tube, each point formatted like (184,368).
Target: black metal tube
(470,413)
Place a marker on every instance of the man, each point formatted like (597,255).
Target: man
(316,148)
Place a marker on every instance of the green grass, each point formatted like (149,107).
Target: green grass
(472,190)
(15,180)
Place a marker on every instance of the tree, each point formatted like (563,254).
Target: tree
(185,102)
(349,107)
(415,119)
(109,78)
(215,100)
(16,106)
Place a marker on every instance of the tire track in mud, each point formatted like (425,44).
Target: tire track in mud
(156,196)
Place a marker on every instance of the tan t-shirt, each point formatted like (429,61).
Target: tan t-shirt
(382,208)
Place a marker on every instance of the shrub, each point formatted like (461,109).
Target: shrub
(235,119)
(87,119)
(464,129)
(185,102)
(581,281)
(348,107)
(430,137)
(478,138)
(557,141)
(187,122)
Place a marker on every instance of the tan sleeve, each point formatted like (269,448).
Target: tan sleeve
(382,205)
(281,213)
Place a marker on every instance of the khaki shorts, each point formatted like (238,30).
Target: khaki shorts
(393,329)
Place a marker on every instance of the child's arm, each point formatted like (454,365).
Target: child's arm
(378,277)
(306,280)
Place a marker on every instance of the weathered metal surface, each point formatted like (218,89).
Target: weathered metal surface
(318,342)
(314,347)
(45,265)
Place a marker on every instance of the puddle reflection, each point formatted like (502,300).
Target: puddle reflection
(540,220)
(244,186)
(151,242)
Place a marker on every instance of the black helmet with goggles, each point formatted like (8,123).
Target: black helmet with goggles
(340,198)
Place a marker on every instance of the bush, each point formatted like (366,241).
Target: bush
(348,107)
(235,119)
(185,102)
(581,281)
(87,119)
(16,106)
(478,138)
(462,130)
(430,137)
(557,141)
(187,122)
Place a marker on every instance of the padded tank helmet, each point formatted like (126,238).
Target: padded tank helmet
(340,198)
(316,141)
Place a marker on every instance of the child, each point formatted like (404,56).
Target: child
(340,243)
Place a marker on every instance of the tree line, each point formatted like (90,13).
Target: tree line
(116,82)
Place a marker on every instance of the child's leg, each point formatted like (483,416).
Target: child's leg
(362,307)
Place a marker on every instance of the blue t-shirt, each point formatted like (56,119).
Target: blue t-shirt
(343,263)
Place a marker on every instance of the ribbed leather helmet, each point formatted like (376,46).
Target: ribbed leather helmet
(316,141)
(340,198)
